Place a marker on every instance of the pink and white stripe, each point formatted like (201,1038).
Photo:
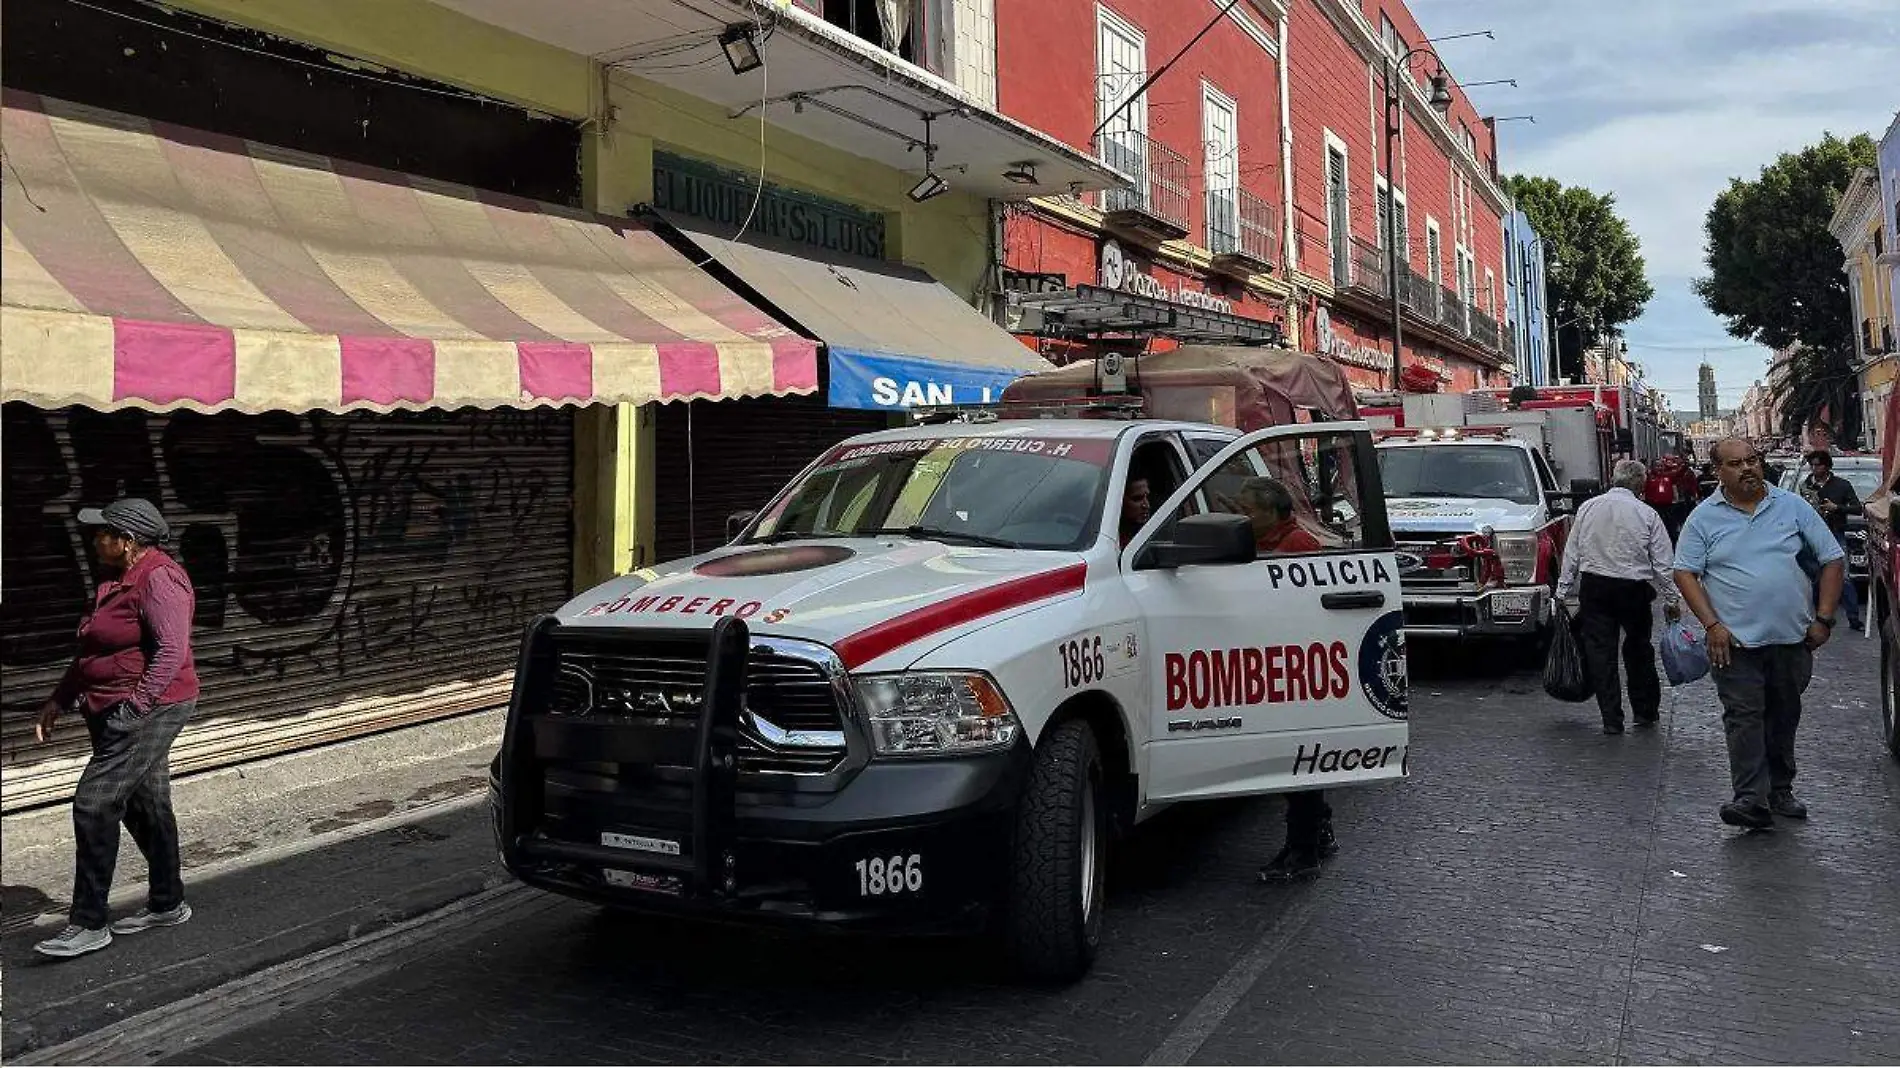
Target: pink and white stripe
(157,267)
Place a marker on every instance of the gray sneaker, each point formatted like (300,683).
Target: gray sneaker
(75,941)
(144,919)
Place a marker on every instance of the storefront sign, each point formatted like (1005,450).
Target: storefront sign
(878,380)
(1119,271)
(1345,349)
(703,191)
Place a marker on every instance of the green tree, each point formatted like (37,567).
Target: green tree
(1594,274)
(1775,274)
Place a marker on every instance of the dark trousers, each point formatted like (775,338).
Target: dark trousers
(1306,814)
(1610,605)
(1761,707)
(128,780)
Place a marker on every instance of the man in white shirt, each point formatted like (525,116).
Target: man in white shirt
(1618,558)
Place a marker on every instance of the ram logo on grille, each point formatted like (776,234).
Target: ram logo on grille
(656,703)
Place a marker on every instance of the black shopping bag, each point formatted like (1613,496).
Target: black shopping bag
(1565,676)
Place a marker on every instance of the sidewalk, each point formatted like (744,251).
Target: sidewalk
(282,857)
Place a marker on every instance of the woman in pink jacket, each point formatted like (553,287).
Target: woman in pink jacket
(134,682)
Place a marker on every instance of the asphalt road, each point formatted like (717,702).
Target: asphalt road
(1535,892)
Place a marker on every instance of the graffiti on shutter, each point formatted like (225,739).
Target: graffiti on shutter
(335,557)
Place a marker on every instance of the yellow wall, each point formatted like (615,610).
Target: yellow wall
(1876,295)
(614,506)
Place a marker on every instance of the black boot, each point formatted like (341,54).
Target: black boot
(1290,864)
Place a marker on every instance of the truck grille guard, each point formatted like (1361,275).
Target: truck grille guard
(705,866)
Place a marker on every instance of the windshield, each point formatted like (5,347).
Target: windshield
(1864,478)
(1024,492)
(1494,471)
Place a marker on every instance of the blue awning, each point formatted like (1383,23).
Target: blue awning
(897,337)
(862,379)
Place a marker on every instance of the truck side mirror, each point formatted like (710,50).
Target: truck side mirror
(1585,487)
(737,522)
(1215,538)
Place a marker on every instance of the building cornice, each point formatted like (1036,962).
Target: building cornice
(1364,38)
(1178,255)
(1859,206)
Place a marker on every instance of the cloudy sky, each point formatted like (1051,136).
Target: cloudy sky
(1661,102)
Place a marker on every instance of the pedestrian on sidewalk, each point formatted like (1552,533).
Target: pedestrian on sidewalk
(1834,497)
(1617,560)
(1738,567)
(134,681)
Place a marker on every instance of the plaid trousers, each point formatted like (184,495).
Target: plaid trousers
(127,780)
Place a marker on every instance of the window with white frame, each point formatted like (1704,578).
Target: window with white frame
(1121,65)
(973,31)
(1490,293)
(1434,255)
(1382,208)
(1404,224)
(1338,211)
(1392,201)
(1220,134)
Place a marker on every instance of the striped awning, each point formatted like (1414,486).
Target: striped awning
(157,267)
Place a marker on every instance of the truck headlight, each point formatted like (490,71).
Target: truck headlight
(919,713)
(1517,551)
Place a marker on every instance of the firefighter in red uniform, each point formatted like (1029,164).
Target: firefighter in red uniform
(1309,819)
(1664,491)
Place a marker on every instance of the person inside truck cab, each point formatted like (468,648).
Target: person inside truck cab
(1269,507)
(1136,506)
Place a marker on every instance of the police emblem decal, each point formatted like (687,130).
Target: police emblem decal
(1382,666)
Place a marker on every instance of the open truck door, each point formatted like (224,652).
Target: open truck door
(1280,652)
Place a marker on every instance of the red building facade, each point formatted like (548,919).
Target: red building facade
(1259,170)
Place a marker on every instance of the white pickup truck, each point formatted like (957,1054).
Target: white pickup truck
(922,687)
(1480,525)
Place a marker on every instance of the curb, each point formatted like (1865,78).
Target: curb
(169,1030)
(129,895)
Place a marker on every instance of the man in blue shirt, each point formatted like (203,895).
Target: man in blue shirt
(1738,567)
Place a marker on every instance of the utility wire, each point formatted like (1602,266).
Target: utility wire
(1156,76)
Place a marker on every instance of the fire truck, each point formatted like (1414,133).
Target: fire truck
(926,683)
(1635,430)
(1481,500)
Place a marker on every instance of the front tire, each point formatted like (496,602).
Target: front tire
(1058,872)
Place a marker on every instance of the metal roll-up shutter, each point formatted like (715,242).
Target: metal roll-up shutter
(354,572)
(737,454)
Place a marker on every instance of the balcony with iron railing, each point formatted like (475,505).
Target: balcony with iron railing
(1484,329)
(1241,231)
(1369,275)
(1876,337)
(1423,299)
(1156,206)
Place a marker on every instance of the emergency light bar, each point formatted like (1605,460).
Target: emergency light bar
(1443,433)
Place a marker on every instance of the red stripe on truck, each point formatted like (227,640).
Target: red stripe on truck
(895,633)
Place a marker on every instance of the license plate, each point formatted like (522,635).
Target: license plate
(639,880)
(1511,604)
(641,843)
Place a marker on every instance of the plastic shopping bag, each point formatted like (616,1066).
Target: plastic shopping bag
(1564,675)
(1685,652)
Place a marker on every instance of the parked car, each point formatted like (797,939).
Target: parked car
(1863,473)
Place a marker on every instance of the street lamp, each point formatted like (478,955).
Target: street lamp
(1440,99)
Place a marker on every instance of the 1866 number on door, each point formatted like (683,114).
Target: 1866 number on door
(1082,661)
